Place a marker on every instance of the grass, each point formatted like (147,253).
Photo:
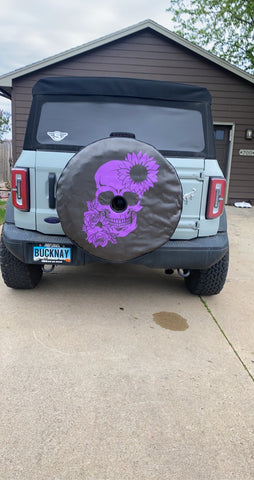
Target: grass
(2,210)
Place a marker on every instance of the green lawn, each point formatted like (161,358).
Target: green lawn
(2,210)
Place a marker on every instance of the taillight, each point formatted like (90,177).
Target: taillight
(20,188)
(216,197)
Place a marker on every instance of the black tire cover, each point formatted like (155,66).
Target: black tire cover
(119,198)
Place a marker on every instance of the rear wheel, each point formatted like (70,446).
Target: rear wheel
(17,274)
(209,281)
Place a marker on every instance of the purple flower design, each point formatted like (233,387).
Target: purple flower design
(92,216)
(97,227)
(100,237)
(138,173)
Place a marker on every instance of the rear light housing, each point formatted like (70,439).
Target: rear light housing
(216,197)
(20,189)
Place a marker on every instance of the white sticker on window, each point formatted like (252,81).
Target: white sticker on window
(57,136)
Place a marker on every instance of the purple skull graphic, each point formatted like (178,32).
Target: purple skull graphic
(120,186)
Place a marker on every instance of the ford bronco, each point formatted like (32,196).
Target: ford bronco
(117,170)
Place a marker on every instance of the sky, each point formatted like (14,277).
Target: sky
(32,30)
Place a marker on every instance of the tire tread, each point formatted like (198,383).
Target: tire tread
(209,281)
(16,274)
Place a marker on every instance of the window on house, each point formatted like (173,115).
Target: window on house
(219,134)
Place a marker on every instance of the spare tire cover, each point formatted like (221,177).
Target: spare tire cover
(119,198)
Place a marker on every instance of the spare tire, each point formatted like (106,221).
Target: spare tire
(119,198)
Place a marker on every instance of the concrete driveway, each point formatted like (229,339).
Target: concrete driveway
(97,384)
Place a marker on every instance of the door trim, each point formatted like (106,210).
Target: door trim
(230,151)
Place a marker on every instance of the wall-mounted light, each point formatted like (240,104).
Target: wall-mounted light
(248,134)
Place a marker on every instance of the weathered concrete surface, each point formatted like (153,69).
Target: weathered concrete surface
(94,389)
(234,307)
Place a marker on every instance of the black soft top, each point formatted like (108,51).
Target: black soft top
(123,87)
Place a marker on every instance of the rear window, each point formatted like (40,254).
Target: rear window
(78,123)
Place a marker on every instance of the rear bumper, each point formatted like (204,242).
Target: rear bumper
(199,253)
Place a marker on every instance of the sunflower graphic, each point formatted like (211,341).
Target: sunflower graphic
(138,173)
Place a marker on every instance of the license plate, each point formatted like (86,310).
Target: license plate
(46,254)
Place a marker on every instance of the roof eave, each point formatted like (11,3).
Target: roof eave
(202,52)
(6,80)
(5,92)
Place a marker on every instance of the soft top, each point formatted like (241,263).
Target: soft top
(123,87)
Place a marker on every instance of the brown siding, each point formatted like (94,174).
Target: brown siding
(150,55)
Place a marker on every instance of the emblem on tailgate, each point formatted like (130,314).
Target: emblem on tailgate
(189,196)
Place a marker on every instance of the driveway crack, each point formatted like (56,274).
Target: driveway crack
(226,338)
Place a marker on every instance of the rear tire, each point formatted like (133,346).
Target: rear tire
(17,274)
(209,281)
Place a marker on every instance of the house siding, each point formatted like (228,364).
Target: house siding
(149,55)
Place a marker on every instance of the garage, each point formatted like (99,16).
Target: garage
(150,51)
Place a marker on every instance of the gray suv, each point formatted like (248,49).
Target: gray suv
(117,170)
